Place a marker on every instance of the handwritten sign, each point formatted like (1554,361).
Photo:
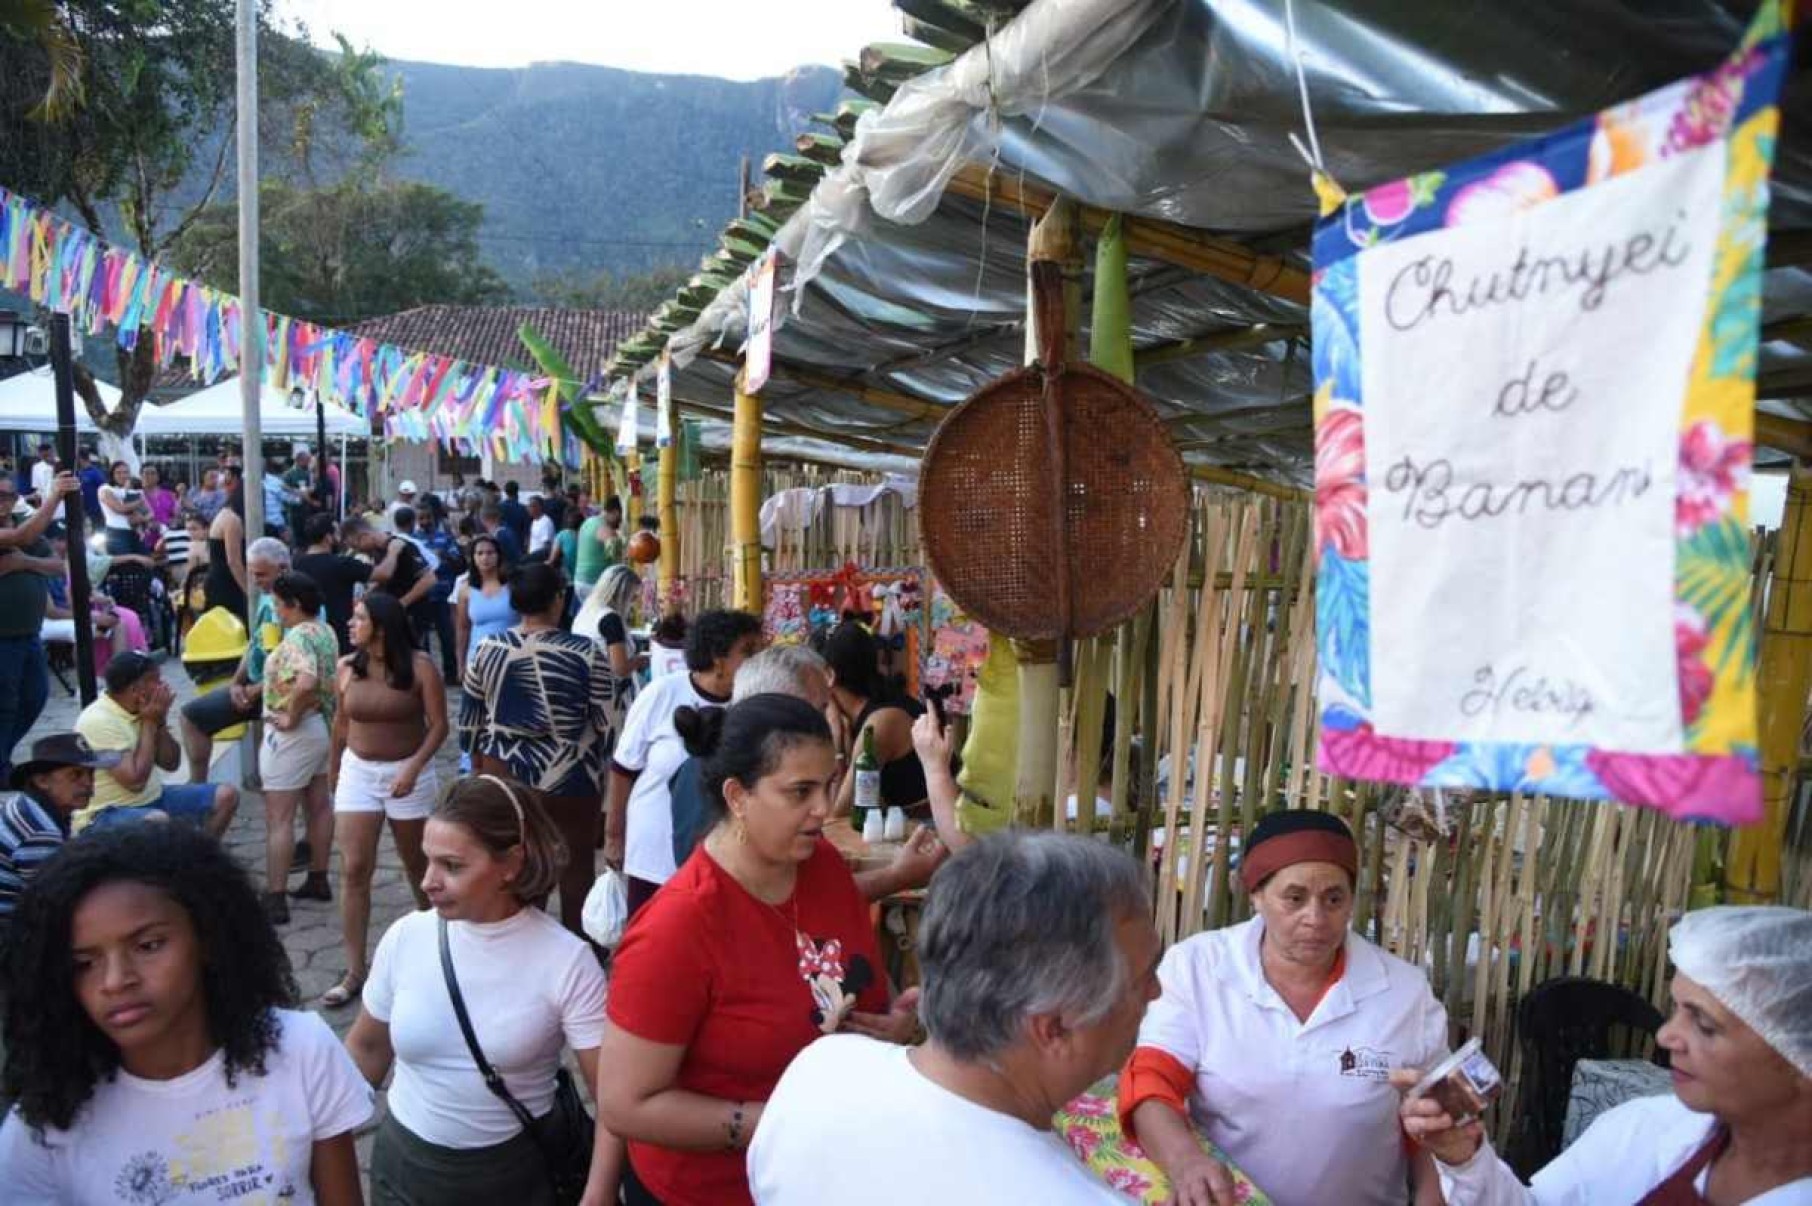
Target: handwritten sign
(1535,407)
(759,358)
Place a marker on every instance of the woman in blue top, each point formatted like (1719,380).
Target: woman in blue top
(484,604)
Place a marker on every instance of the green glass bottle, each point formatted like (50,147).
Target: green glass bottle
(868,784)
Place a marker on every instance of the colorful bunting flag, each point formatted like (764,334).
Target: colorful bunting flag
(420,395)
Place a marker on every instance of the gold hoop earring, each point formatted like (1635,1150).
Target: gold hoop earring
(742,833)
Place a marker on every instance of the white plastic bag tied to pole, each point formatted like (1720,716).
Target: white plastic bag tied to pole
(758,359)
(663,403)
(627,431)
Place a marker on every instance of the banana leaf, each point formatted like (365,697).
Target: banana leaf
(573,412)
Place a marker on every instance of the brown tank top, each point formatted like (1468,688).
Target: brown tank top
(371,703)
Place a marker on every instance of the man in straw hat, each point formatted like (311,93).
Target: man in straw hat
(47,789)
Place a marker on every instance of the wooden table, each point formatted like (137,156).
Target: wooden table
(896,919)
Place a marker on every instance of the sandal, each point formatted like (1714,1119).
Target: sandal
(345,992)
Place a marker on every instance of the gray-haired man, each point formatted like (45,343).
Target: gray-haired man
(207,715)
(785,670)
(1039,959)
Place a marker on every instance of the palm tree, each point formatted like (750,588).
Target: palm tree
(39,21)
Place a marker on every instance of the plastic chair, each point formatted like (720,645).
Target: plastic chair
(1559,1023)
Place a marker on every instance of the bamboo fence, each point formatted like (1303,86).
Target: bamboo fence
(1215,680)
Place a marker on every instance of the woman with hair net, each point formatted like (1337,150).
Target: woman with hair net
(1738,1126)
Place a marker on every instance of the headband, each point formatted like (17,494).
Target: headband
(1274,853)
(521,822)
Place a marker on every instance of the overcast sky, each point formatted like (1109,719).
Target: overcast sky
(732,38)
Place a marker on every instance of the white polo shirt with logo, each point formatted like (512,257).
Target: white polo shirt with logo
(1305,1109)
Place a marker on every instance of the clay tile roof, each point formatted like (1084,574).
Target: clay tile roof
(481,335)
(487,334)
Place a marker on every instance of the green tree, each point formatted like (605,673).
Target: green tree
(338,253)
(146,151)
(603,291)
(39,25)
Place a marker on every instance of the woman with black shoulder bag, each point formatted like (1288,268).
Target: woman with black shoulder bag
(471,1003)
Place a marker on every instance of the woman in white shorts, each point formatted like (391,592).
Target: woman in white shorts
(292,758)
(392,720)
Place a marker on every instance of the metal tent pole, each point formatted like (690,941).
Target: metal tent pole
(251,353)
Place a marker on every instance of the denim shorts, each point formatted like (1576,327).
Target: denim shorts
(179,801)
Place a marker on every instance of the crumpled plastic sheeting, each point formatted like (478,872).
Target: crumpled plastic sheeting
(1181,111)
(903,155)
(717,439)
(1192,123)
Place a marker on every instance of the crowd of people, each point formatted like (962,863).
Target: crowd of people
(744,1043)
(743,1040)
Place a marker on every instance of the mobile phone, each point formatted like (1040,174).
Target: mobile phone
(934,699)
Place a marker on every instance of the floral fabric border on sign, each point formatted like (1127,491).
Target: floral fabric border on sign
(1535,390)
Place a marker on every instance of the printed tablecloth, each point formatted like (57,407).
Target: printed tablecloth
(1604,1084)
(1091,1126)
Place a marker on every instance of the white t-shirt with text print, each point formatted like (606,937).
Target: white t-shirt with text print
(197,1139)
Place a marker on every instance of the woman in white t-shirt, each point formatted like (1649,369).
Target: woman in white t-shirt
(147,1041)
(120,505)
(530,988)
(605,618)
(1290,1014)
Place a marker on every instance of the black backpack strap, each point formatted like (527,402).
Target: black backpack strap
(492,1080)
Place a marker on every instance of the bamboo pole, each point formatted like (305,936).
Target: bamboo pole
(1052,238)
(1172,701)
(1753,869)
(667,500)
(1147,238)
(745,501)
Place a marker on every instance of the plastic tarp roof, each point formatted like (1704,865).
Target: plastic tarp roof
(1181,110)
(28,402)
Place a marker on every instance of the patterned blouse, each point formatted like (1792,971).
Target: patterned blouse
(544,704)
(308,648)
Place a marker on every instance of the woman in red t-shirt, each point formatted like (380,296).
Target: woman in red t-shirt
(757,946)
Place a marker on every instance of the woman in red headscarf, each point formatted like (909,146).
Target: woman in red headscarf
(1276,1038)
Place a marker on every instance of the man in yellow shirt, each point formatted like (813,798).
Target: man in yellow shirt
(132,718)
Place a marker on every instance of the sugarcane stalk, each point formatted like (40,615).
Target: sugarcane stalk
(1753,871)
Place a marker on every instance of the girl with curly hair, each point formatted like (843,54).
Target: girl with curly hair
(149,1044)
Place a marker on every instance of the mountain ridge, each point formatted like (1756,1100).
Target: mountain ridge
(584,168)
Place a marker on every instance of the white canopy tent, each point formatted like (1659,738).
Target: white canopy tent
(217,410)
(28,402)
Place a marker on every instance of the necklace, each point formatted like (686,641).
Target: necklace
(725,859)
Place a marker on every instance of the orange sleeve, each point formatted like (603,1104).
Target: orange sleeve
(1152,1074)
